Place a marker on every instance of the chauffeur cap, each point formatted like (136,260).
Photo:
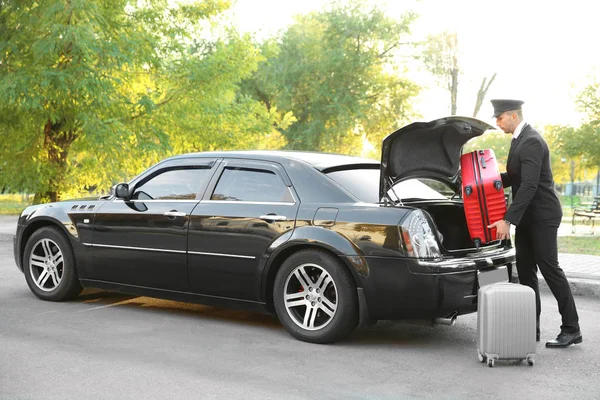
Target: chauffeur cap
(503,105)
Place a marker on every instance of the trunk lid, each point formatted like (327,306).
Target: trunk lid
(427,150)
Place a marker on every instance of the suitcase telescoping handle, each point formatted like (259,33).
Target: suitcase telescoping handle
(482,159)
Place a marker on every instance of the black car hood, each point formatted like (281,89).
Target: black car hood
(427,150)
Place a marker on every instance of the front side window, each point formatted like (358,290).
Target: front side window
(246,184)
(173,184)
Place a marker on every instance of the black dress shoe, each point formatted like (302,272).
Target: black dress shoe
(565,340)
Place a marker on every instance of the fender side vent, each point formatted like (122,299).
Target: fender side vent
(81,208)
(90,208)
(74,207)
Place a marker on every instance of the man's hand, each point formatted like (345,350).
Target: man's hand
(502,229)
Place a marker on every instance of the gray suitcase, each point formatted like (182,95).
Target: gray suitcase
(506,326)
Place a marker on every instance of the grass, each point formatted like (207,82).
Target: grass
(577,201)
(579,245)
(13,204)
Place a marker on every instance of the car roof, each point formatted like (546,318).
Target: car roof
(320,161)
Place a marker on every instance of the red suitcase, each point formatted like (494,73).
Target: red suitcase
(483,194)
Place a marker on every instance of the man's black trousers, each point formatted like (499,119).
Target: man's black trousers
(536,247)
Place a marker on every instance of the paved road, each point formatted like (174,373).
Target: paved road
(109,346)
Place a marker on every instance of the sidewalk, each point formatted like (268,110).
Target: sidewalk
(583,271)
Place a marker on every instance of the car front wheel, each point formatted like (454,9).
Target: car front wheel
(315,297)
(49,265)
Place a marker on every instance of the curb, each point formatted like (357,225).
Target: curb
(579,287)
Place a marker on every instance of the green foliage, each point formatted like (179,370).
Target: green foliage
(580,145)
(94,92)
(589,101)
(586,139)
(572,152)
(334,70)
(495,140)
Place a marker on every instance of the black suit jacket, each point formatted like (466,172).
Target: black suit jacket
(529,174)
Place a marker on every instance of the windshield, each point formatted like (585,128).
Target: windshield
(364,184)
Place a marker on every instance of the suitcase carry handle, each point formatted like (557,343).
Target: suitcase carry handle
(483,165)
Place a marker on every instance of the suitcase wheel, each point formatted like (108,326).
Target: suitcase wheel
(490,362)
(498,185)
(477,243)
(468,190)
(530,361)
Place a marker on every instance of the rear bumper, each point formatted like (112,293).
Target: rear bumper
(406,288)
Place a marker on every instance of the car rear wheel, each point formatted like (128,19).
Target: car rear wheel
(49,265)
(315,297)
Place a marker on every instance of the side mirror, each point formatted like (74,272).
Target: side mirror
(122,191)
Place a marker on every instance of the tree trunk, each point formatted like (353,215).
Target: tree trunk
(453,90)
(483,89)
(56,146)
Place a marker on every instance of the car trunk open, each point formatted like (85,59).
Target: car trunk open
(450,222)
(432,150)
(427,150)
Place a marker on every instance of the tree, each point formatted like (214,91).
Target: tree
(565,167)
(93,90)
(586,139)
(441,57)
(481,93)
(335,71)
(580,145)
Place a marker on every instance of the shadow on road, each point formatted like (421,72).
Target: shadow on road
(99,299)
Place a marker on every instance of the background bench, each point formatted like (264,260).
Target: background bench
(588,214)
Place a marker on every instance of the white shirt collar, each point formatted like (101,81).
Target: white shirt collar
(518,129)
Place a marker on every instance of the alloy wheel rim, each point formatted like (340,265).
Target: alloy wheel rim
(46,265)
(310,297)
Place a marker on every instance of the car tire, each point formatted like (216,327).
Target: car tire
(49,265)
(324,312)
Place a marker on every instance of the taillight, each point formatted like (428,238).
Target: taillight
(418,239)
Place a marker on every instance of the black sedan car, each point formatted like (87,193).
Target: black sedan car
(327,242)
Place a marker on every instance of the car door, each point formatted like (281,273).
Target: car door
(143,241)
(252,204)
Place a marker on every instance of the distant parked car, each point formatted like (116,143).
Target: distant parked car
(327,242)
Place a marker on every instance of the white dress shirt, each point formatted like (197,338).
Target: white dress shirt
(518,129)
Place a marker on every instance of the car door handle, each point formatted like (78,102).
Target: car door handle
(273,217)
(173,214)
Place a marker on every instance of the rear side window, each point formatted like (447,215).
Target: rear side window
(364,184)
(246,184)
(173,184)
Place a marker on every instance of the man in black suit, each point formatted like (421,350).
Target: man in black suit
(536,213)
